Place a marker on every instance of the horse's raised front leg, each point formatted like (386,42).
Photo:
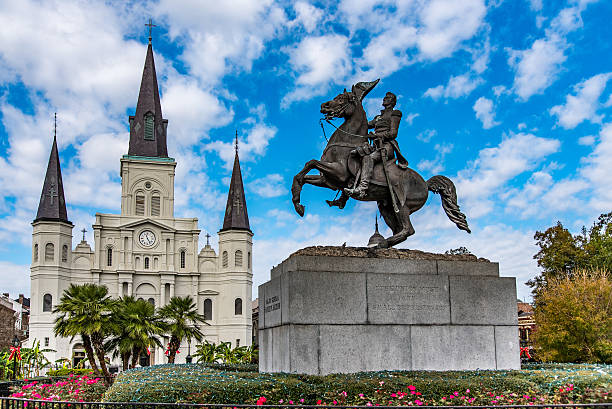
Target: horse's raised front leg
(301,178)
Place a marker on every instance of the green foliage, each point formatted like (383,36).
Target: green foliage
(180,317)
(229,384)
(561,252)
(136,327)
(68,371)
(574,318)
(208,352)
(87,310)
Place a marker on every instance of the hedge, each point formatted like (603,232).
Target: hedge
(230,384)
(68,371)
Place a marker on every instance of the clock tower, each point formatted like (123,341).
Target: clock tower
(145,252)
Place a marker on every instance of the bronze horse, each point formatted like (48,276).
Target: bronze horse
(338,169)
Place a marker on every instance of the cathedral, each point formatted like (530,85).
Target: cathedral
(145,251)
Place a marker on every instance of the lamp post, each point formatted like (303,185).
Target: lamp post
(16,344)
(188,358)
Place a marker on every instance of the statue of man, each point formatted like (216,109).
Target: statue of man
(385,131)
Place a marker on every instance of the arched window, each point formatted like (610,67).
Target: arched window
(140,205)
(238,306)
(224,259)
(151,301)
(149,126)
(238,258)
(155,205)
(35,255)
(125,289)
(208,309)
(146,263)
(64,253)
(182,258)
(249,259)
(47,302)
(49,252)
(109,256)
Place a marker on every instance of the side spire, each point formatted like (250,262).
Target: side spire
(147,126)
(236,215)
(52,205)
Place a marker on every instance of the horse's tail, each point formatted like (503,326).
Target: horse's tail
(446,189)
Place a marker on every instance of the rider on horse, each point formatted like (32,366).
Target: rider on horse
(385,131)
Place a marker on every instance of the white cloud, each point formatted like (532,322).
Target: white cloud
(426,135)
(436,165)
(584,104)
(539,66)
(15,279)
(485,113)
(445,23)
(597,170)
(272,185)
(307,15)
(218,38)
(535,5)
(410,117)
(457,86)
(486,176)
(318,61)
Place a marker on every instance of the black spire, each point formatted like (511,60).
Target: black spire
(236,215)
(376,238)
(52,206)
(147,127)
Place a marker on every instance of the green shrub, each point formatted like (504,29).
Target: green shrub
(215,383)
(68,371)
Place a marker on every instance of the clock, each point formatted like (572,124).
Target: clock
(146,238)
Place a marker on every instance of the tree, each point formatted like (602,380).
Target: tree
(136,328)
(181,318)
(87,310)
(574,318)
(561,252)
(206,353)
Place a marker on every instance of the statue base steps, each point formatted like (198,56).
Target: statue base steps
(344,310)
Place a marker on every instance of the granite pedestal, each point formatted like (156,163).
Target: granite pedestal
(343,310)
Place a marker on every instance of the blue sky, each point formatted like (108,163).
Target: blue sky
(509,98)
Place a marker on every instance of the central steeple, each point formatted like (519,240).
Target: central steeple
(236,215)
(147,127)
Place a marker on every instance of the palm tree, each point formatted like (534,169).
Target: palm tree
(206,352)
(87,310)
(181,318)
(136,328)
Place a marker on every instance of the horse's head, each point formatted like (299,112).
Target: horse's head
(342,106)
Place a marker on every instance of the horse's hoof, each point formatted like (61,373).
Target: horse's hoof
(299,209)
(383,244)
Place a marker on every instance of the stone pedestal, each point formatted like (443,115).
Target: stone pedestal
(343,310)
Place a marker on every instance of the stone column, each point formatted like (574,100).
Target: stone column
(129,292)
(171,290)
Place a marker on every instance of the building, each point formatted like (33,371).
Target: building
(17,323)
(144,251)
(526,324)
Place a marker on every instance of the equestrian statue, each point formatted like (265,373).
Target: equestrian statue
(363,166)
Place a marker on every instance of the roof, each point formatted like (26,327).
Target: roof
(151,144)
(236,215)
(52,205)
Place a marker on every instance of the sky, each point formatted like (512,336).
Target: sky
(511,99)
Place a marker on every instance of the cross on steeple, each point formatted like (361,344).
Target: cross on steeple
(236,142)
(52,192)
(55,126)
(207,239)
(84,231)
(150,25)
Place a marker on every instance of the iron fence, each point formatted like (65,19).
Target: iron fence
(18,403)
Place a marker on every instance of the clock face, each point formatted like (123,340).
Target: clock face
(146,238)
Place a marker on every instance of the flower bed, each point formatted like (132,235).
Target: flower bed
(73,388)
(200,384)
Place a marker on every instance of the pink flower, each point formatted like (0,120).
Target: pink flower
(302,400)
(261,400)
(291,402)
(394,395)
(381,383)
(418,402)
(319,402)
(412,388)
(467,391)
(493,401)
(369,404)
(343,393)
(281,401)
(335,402)
(443,397)
(361,395)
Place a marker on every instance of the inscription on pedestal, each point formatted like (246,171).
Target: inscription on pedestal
(272,304)
(407,299)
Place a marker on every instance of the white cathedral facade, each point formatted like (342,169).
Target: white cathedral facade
(145,251)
